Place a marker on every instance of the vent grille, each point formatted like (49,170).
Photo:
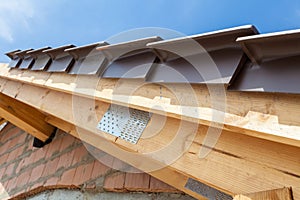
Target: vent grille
(125,123)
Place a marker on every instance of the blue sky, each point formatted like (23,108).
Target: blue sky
(35,23)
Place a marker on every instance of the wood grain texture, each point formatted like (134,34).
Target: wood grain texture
(261,115)
(278,194)
(27,118)
(254,151)
(251,164)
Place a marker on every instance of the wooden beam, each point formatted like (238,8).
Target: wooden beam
(278,194)
(2,120)
(239,163)
(166,174)
(236,157)
(25,117)
(268,118)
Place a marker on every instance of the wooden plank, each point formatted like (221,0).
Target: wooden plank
(226,161)
(278,194)
(25,117)
(296,192)
(165,174)
(2,120)
(162,100)
(221,164)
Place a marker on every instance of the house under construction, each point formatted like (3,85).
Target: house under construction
(214,115)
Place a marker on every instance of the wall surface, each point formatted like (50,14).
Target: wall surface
(65,163)
(79,195)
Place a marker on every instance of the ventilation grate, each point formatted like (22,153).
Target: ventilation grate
(206,191)
(125,123)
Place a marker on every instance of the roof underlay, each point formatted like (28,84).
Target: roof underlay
(228,100)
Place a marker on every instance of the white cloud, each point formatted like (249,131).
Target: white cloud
(15,15)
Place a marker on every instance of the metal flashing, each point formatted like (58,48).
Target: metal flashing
(15,60)
(61,60)
(42,60)
(135,66)
(27,60)
(128,59)
(274,65)
(211,41)
(83,51)
(181,70)
(281,75)
(12,54)
(213,57)
(125,49)
(87,59)
(34,53)
(271,46)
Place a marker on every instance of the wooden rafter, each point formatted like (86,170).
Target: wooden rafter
(2,120)
(269,118)
(27,118)
(278,194)
(244,160)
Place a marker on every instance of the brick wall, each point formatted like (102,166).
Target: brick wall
(64,163)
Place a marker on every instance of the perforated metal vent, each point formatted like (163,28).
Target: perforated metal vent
(125,123)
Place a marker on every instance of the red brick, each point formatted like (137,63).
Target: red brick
(108,160)
(50,167)
(77,141)
(5,183)
(51,182)
(22,138)
(25,162)
(65,160)
(23,179)
(40,153)
(122,166)
(60,134)
(67,141)
(97,153)
(99,169)
(137,181)
(90,186)
(3,159)
(67,177)
(79,154)
(11,184)
(83,173)
(36,187)
(14,142)
(9,170)
(15,153)
(115,182)
(2,170)
(11,133)
(5,147)
(159,186)
(20,193)
(36,173)
(53,147)
(29,146)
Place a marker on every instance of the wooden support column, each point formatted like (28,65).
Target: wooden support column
(25,117)
(278,194)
